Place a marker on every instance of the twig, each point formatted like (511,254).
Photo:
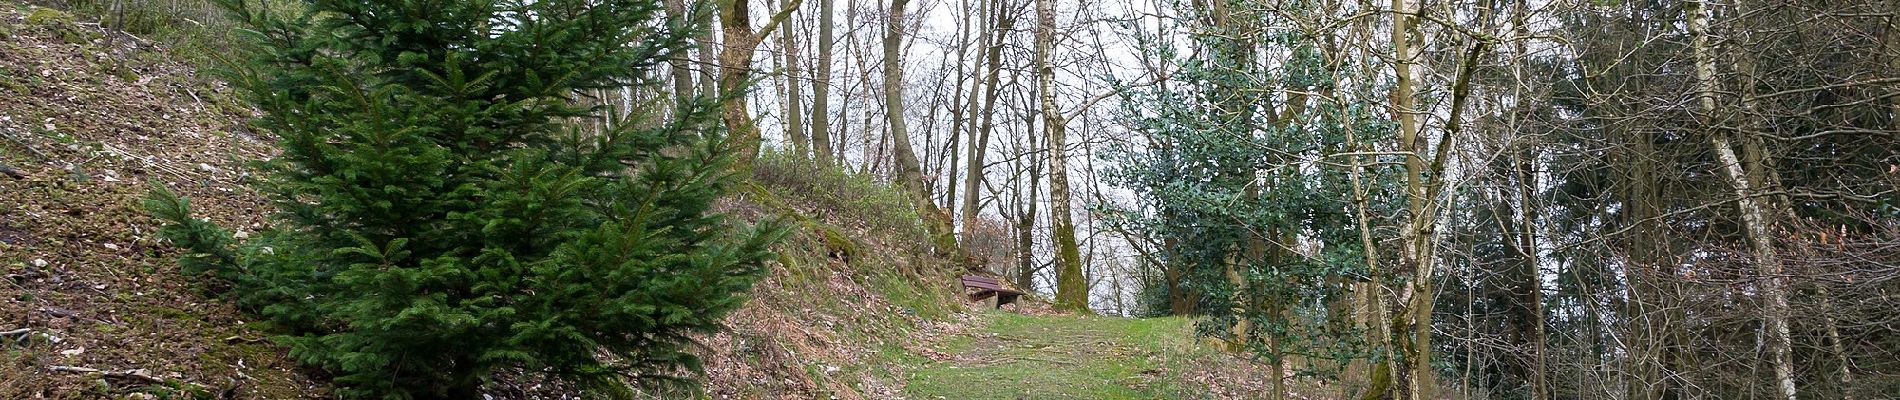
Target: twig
(1038,359)
(9,134)
(27,333)
(137,374)
(234,339)
(194,97)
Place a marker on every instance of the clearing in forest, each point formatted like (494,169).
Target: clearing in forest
(1014,356)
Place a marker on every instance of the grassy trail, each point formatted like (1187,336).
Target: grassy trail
(1061,357)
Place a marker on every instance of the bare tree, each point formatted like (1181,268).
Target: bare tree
(794,95)
(909,173)
(1755,215)
(821,88)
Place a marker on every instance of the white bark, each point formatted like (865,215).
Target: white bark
(1754,214)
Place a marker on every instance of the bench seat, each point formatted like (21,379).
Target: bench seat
(988,286)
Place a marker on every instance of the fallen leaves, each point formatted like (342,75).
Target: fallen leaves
(80,266)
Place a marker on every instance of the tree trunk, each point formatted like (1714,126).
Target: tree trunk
(1656,362)
(1414,254)
(1526,171)
(1754,214)
(908,172)
(1838,349)
(1071,288)
(1026,218)
(959,110)
(679,64)
(795,99)
(709,51)
(735,68)
(992,40)
(1369,305)
(1891,43)
(1424,183)
(821,89)
(1768,265)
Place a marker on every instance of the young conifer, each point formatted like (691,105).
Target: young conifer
(441,215)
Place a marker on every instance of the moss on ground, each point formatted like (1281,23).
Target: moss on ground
(1060,357)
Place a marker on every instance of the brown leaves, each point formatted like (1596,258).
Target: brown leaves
(78,256)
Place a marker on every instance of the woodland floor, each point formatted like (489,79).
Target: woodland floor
(89,120)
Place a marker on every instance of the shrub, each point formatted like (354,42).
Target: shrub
(438,220)
(176,23)
(882,208)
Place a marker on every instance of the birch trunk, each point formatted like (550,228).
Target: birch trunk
(1071,287)
(1754,214)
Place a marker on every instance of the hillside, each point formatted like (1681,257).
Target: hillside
(88,120)
(95,306)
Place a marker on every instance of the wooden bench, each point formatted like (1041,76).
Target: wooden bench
(986,287)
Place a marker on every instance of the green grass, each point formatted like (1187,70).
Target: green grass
(1061,357)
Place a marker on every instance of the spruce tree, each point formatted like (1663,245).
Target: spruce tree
(449,205)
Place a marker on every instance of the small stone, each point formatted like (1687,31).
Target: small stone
(73,352)
(110,246)
(207,167)
(39,263)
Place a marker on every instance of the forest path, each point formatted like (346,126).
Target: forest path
(1014,356)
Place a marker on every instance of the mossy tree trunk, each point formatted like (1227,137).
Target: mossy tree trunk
(735,68)
(1072,291)
(910,174)
(1425,181)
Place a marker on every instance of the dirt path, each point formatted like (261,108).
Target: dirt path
(1062,357)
